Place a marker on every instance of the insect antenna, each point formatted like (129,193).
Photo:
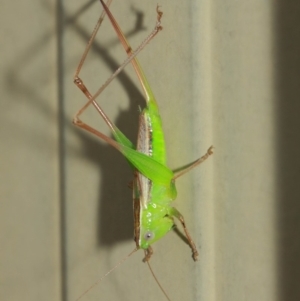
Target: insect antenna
(107,273)
(155,278)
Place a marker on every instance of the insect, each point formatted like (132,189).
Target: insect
(153,182)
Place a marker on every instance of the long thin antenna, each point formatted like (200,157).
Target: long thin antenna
(111,270)
(156,280)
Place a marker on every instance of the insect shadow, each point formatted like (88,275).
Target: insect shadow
(115,197)
(21,80)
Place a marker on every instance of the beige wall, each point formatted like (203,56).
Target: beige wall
(224,73)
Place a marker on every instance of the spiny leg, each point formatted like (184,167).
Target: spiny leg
(79,83)
(181,171)
(91,40)
(131,58)
(145,85)
(175,213)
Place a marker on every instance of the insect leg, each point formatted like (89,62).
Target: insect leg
(131,58)
(138,69)
(182,170)
(79,83)
(173,212)
(148,254)
(90,42)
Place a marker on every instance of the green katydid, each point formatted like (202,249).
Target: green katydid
(153,183)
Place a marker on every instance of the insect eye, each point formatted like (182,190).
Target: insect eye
(149,235)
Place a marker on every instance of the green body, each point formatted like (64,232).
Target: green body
(153,185)
(154,188)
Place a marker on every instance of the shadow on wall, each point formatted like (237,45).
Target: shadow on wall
(115,198)
(287,47)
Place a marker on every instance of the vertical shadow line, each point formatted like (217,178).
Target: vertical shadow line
(60,18)
(287,47)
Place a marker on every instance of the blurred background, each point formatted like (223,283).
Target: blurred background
(224,73)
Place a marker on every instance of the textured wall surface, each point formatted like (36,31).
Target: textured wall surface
(224,73)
